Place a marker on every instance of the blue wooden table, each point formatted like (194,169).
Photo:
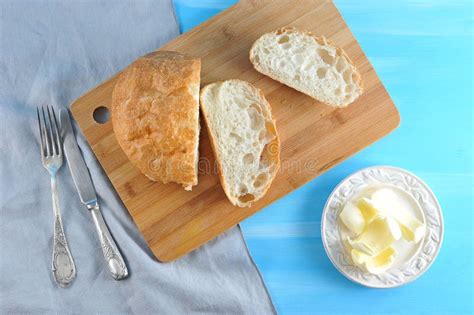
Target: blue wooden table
(422,51)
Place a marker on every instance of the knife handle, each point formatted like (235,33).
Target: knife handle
(110,250)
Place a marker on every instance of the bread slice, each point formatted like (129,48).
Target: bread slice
(244,139)
(308,64)
(155,116)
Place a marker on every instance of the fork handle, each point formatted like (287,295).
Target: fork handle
(64,270)
(112,254)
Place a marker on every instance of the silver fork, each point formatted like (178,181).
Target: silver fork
(64,270)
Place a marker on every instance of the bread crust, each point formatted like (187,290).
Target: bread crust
(155,116)
(273,147)
(322,40)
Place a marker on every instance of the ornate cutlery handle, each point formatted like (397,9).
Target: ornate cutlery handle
(64,270)
(111,253)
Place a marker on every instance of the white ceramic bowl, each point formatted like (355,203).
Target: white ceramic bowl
(414,259)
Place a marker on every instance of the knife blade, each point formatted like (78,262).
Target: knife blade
(77,166)
(83,182)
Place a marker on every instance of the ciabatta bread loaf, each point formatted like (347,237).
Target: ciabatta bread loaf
(308,64)
(244,139)
(155,116)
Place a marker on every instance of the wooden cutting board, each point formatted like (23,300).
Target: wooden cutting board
(314,137)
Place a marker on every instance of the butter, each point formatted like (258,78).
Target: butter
(367,208)
(352,218)
(390,203)
(374,264)
(379,234)
(376,223)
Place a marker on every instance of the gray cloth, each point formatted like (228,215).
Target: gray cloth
(51,53)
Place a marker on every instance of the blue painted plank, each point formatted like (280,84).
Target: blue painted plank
(422,51)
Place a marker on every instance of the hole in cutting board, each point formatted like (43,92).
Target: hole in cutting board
(101,114)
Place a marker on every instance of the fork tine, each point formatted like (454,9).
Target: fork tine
(58,136)
(52,132)
(54,150)
(46,134)
(40,128)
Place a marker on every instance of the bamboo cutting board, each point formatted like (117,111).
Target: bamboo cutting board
(314,137)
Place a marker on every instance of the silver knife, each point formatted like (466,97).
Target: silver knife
(85,188)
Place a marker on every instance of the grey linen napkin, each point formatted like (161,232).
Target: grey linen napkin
(51,53)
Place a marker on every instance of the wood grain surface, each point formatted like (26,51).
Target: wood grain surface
(314,137)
